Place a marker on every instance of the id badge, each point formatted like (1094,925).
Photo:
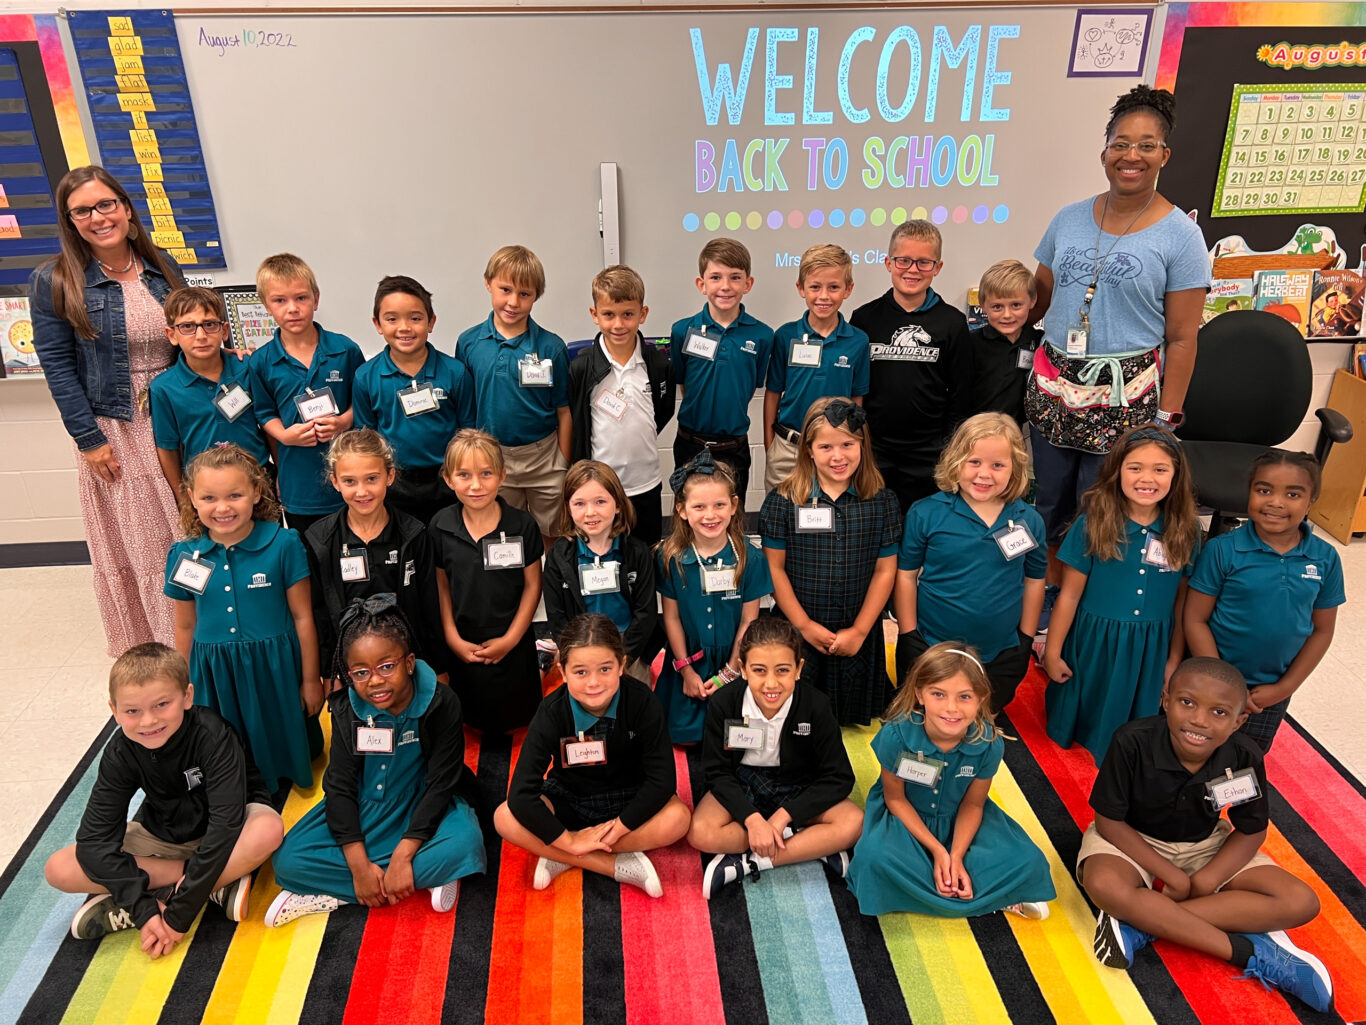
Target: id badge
(612,403)
(232,402)
(601,578)
(1024,359)
(192,573)
(575,751)
(535,373)
(698,344)
(1076,340)
(417,400)
(815,519)
(314,404)
(1155,554)
(804,354)
(742,735)
(1233,789)
(1014,540)
(355,565)
(718,579)
(374,740)
(913,767)
(505,553)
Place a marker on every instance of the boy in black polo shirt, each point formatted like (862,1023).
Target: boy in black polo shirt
(1003,347)
(204,825)
(1160,862)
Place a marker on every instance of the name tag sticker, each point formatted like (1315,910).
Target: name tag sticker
(417,400)
(612,403)
(1156,553)
(698,344)
(533,372)
(815,519)
(1076,341)
(374,740)
(355,565)
(804,354)
(1233,789)
(741,735)
(718,580)
(913,767)
(232,401)
(314,404)
(604,578)
(504,553)
(192,573)
(1014,540)
(576,751)
(1024,359)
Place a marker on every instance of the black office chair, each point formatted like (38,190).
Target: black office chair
(1249,392)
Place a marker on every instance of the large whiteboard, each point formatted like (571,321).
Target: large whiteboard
(417,144)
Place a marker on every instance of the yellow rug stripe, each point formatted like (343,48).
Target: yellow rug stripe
(124,984)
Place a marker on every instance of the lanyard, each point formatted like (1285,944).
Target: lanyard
(1099,267)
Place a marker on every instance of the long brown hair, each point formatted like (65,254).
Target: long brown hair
(680,539)
(938,663)
(1107,510)
(68,267)
(225,457)
(867,480)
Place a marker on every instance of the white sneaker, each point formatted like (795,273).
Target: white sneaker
(444,897)
(289,906)
(635,868)
(547,872)
(1035,910)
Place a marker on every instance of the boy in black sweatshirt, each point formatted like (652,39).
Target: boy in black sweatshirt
(204,825)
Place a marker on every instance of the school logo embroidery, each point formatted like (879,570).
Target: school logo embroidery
(392,558)
(409,571)
(194,777)
(1311,572)
(438,394)
(749,347)
(333,375)
(631,577)
(842,362)
(409,737)
(909,344)
(258,580)
(803,730)
(966,772)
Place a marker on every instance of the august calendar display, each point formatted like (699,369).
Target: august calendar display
(1299,151)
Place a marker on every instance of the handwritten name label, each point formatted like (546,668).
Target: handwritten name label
(244,39)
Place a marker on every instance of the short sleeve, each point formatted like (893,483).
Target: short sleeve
(914,538)
(665,583)
(1190,266)
(262,395)
(777,363)
(363,404)
(1118,769)
(559,390)
(1333,592)
(775,520)
(991,760)
(1046,251)
(165,433)
(170,590)
(1211,569)
(676,336)
(533,545)
(890,514)
(293,557)
(1036,559)
(889,743)
(463,398)
(1073,548)
(757,580)
(862,364)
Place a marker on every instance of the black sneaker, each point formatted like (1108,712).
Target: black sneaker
(725,869)
(1117,942)
(98,917)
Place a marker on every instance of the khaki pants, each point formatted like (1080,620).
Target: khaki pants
(779,462)
(535,481)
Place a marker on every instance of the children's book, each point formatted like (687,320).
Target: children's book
(1335,310)
(1286,293)
(1227,294)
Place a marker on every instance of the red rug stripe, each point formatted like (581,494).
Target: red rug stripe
(1330,805)
(1205,982)
(471,749)
(661,937)
(505,958)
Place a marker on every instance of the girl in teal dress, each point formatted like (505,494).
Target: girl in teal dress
(244,614)
(932,842)
(397,816)
(1115,637)
(711,581)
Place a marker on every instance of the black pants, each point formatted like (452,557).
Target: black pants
(419,491)
(302,521)
(908,485)
(1005,671)
(649,517)
(725,448)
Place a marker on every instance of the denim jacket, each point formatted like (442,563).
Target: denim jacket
(88,377)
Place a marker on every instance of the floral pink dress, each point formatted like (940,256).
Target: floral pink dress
(131,524)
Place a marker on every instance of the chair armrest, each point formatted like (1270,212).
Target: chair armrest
(1335,425)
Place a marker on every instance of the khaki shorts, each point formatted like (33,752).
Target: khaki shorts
(779,462)
(140,843)
(535,481)
(1188,857)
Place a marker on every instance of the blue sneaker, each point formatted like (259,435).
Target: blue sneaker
(1278,962)
(1116,942)
(1050,595)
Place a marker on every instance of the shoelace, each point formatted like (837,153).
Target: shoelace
(120,919)
(751,869)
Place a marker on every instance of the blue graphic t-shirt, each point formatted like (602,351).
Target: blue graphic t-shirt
(1128,311)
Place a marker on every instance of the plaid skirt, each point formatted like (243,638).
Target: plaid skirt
(764,790)
(579,811)
(1087,402)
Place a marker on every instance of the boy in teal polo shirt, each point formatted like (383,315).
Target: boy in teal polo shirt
(817,355)
(720,356)
(414,395)
(203,400)
(521,386)
(301,384)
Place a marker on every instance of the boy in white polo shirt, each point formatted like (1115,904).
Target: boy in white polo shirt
(621,394)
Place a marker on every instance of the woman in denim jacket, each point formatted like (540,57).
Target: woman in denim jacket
(100,335)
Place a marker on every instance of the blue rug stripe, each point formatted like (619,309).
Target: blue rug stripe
(833,955)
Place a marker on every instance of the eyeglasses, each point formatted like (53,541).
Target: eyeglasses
(189,330)
(82,213)
(905,262)
(1147,149)
(361,675)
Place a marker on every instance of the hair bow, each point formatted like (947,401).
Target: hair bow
(702,463)
(371,606)
(842,411)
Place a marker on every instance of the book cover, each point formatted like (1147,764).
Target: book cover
(1227,294)
(1335,309)
(16,338)
(1286,293)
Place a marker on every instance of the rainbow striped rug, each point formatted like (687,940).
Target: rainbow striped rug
(790,948)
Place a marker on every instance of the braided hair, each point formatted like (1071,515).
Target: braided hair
(378,614)
(1145,99)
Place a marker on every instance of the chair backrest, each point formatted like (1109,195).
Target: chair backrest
(1252,380)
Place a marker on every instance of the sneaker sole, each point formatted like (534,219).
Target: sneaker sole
(85,925)
(440,894)
(1108,946)
(273,912)
(237,910)
(709,874)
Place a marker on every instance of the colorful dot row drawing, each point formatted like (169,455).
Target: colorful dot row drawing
(733,220)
